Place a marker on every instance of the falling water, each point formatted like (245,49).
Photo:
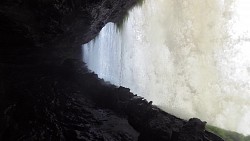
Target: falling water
(190,57)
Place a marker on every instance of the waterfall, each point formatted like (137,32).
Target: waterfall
(190,57)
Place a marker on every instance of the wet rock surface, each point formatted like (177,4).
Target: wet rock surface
(67,102)
(40,104)
(35,31)
(152,123)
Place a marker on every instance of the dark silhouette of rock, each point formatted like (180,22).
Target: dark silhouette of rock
(193,130)
(67,102)
(152,123)
(38,31)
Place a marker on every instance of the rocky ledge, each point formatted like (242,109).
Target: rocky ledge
(152,123)
(67,102)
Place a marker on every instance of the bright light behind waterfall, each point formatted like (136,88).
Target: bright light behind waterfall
(190,57)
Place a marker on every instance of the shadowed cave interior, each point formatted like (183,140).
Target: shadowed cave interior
(47,91)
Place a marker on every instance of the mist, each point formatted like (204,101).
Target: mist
(190,57)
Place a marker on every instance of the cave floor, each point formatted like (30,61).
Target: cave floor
(47,103)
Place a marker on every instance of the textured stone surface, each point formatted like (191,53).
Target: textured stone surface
(47,103)
(66,102)
(34,31)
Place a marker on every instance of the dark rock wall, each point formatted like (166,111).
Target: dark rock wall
(34,31)
(47,102)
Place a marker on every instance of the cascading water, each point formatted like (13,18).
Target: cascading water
(190,57)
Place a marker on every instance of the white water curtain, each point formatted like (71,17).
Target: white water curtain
(190,57)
